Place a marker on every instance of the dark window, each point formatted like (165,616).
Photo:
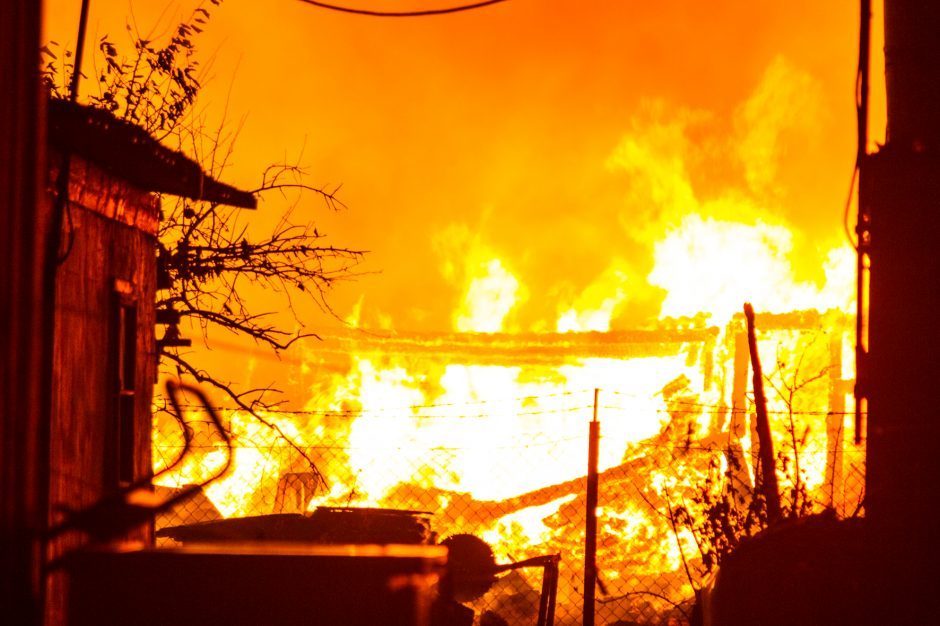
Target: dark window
(126,394)
(120,460)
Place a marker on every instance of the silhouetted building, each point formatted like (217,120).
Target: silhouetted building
(105,347)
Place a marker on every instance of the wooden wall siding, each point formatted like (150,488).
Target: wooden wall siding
(103,250)
(96,191)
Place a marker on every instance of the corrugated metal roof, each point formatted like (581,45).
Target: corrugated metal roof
(126,151)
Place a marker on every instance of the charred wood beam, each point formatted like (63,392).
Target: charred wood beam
(486,512)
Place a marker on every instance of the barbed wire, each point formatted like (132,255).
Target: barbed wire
(718,409)
(413,13)
(401,413)
(410,446)
(413,444)
(404,412)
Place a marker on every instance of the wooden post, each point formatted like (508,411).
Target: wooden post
(768,468)
(24,313)
(590,527)
(900,189)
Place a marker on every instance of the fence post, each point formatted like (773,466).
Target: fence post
(590,529)
(764,439)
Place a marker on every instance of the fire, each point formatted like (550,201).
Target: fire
(524,527)
(237,493)
(482,408)
(712,266)
(487,426)
(490,290)
(595,306)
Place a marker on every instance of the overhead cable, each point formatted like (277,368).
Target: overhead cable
(417,13)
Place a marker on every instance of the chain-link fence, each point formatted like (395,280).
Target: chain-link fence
(670,506)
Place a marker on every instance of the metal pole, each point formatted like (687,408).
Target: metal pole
(590,528)
(863,224)
(79,50)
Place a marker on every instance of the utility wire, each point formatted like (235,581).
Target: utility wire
(421,13)
(691,408)
(402,412)
(630,447)
(862,89)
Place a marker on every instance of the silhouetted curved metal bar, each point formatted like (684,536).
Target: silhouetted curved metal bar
(136,503)
(417,13)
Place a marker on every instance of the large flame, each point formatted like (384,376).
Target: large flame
(492,417)
(712,266)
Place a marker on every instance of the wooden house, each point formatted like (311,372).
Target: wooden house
(105,345)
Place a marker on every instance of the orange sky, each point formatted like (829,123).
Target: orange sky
(502,124)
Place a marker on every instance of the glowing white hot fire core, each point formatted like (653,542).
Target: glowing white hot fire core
(489,431)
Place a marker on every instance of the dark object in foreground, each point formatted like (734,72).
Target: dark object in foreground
(136,503)
(326,525)
(471,567)
(812,570)
(472,570)
(271,584)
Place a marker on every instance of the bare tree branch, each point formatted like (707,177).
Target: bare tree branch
(251,405)
(209,254)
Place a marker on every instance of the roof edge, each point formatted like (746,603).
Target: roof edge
(125,150)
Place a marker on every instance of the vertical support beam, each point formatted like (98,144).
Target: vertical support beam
(863,224)
(903,467)
(25,308)
(590,525)
(900,186)
(739,386)
(549,590)
(835,425)
(912,74)
(741,484)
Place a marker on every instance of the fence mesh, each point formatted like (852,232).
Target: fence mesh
(662,500)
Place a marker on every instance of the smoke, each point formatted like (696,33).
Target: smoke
(702,225)
(565,138)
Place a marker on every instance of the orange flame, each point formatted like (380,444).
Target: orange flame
(493,415)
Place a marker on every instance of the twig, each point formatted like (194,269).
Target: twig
(251,408)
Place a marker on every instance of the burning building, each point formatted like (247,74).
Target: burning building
(103,178)
(485,426)
(489,433)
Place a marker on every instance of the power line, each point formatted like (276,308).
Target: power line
(421,13)
(630,446)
